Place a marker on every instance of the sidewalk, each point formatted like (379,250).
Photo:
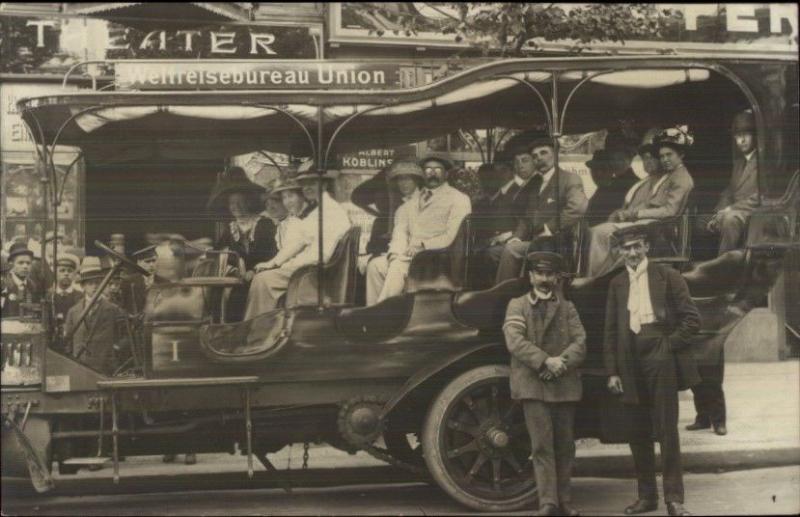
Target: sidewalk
(763,402)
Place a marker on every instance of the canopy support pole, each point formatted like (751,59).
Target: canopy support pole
(322,163)
(555,134)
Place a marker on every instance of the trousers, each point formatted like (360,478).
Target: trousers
(550,425)
(709,399)
(385,279)
(655,418)
(265,289)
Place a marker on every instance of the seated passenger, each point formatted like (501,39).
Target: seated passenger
(663,194)
(611,172)
(741,195)
(64,293)
(537,222)
(98,341)
(429,220)
(18,286)
(373,197)
(250,234)
(299,242)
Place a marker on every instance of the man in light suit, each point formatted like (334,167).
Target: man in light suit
(429,220)
(662,195)
(649,324)
(539,219)
(547,343)
(741,195)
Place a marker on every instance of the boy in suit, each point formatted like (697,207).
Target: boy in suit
(650,320)
(65,295)
(547,343)
(18,286)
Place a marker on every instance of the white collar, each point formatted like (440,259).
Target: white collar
(640,269)
(20,283)
(749,155)
(540,296)
(68,290)
(411,196)
(546,178)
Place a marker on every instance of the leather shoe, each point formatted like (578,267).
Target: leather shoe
(696,426)
(569,512)
(677,509)
(548,509)
(641,506)
(720,429)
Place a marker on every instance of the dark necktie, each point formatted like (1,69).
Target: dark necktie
(512,191)
(535,186)
(426,196)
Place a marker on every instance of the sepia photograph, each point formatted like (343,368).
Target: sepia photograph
(399,258)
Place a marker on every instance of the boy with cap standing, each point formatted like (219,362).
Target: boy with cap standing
(64,293)
(18,286)
(547,343)
(97,341)
(650,321)
(134,288)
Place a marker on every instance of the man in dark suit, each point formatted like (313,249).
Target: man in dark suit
(650,320)
(547,343)
(98,341)
(611,171)
(741,195)
(135,286)
(538,220)
(64,293)
(18,286)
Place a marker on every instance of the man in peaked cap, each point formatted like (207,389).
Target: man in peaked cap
(537,215)
(18,285)
(547,343)
(741,195)
(98,341)
(650,322)
(135,286)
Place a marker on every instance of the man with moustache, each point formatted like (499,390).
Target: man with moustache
(547,342)
(429,220)
(650,321)
(538,221)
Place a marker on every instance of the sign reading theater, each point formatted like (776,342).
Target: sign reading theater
(263,75)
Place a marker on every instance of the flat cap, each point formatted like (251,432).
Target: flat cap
(545,260)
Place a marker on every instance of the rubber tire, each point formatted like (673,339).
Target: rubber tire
(433,454)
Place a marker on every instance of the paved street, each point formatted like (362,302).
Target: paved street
(760,491)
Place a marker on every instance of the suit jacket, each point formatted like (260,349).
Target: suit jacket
(434,222)
(668,200)
(98,336)
(303,247)
(672,306)
(12,295)
(540,208)
(609,196)
(531,342)
(133,289)
(742,192)
(498,213)
(63,302)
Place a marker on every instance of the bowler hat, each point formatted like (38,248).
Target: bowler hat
(145,253)
(67,260)
(545,260)
(526,142)
(744,122)
(235,180)
(17,249)
(633,232)
(91,269)
(404,168)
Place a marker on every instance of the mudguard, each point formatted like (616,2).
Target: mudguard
(432,369)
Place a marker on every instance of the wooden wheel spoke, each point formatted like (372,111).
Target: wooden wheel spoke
(458,451)
(462,427)
(496,473)
(512,460)
(473,408)
(515,405)
(494,406)
(476,466)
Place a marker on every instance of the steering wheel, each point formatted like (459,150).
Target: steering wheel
(122,258)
